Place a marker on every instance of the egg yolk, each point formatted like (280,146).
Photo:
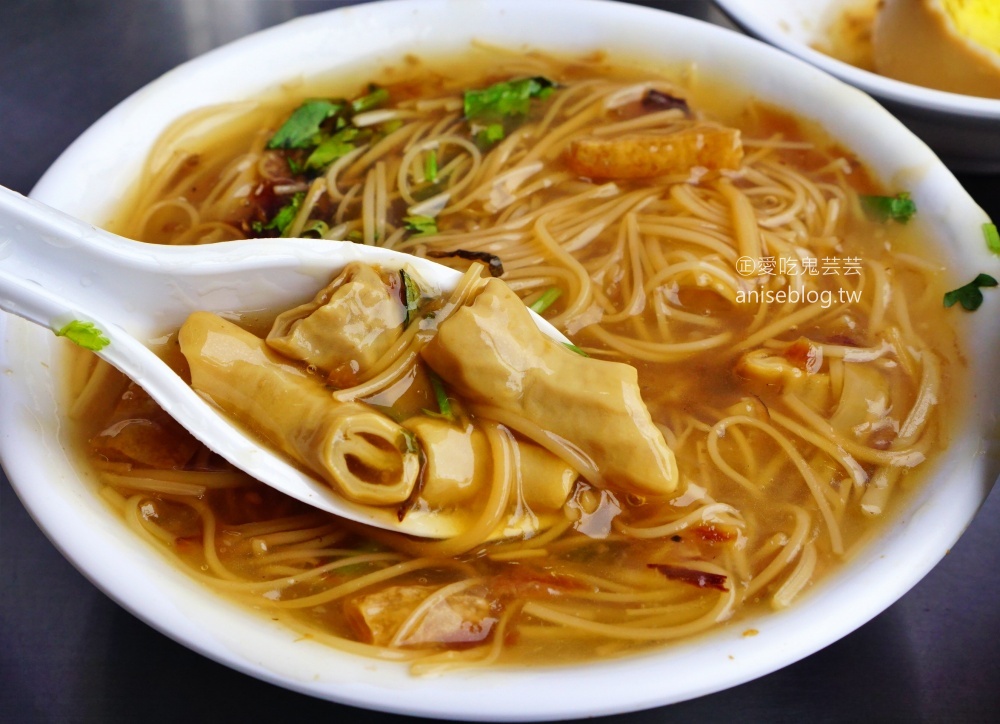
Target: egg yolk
(951,45)
(977,20)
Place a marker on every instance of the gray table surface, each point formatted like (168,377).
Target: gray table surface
(70,654)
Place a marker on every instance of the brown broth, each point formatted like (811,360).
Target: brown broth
(592,572)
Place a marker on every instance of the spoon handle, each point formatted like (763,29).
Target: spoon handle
(48,263)
(32,302)
(55,269)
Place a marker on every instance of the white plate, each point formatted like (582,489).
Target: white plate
(963,130)
(90,178)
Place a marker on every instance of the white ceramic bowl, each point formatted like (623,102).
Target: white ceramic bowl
(92,175)
(963,130)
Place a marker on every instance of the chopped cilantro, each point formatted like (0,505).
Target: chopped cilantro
(883,208)
(493,111)
(309,127)
(505,99)
(992,237)
(421,225)
(546,300)
(286,214)
(376,97)
(411,296)
(301,130)
(332,148)
(969,295)
(84,334)
(486,137)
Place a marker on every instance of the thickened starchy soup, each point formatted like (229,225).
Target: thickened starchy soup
(759,370)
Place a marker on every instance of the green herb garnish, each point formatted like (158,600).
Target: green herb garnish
(883,208)
(970,296)
(286,214)
(495,110)
(573,348)
(546,300)
(84,334)
(301,130)
(441,395)
(410,296)
(330,149)
(431,166)
(309,127)
(421,225)
(992,237)
(376,97)
(486,137)
(506,99)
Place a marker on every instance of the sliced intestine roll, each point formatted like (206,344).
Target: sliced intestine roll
(362,453)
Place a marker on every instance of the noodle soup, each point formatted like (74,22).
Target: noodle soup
(792,351)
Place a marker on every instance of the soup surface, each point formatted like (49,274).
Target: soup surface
(785,323)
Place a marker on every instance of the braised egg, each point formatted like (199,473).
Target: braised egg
(951,45)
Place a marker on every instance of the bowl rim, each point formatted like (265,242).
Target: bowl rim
(200,620)
(743,13)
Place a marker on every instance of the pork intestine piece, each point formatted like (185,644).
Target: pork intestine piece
(493,355)
(458,466)
(362,453)
(351,322)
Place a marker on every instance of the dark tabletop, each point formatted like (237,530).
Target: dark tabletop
(70,654)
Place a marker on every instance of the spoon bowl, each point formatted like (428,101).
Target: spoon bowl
(56,269)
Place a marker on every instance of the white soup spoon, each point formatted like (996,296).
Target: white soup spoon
(56,269)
